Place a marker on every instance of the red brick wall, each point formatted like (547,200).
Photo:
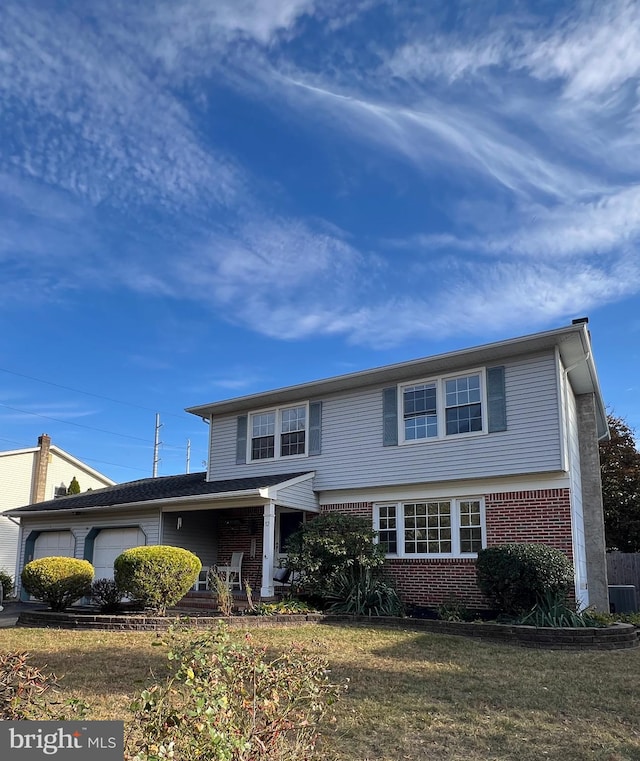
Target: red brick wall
(522,516)
(543,515)
(235,536)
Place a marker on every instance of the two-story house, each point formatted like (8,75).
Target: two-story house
(444,455)
(33,475)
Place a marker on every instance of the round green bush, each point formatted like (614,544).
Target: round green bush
(58,581)
(515,577)
(157,576)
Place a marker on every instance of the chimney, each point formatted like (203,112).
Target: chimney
(40,467)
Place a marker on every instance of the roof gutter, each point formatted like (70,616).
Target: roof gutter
(140,504)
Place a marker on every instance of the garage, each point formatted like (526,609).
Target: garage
(109,543)
(54,544)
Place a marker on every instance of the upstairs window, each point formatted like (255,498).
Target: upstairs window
(463,406)
(278,433)
(294,424)
(263,430)
(420,411)
(442,407)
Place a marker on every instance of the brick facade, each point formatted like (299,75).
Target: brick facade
(237,530)
(542,515)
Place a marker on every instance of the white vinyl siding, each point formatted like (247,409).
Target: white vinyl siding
(299,496)
(61,471)
(197,533)
(353,455)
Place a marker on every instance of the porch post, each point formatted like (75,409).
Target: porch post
(268,548)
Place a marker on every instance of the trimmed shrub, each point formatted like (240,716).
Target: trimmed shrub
(6,581)
(107,594)
(515,577)
(58,581)
(157,576)
(329,546)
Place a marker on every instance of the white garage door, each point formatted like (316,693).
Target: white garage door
(54,544)
(109,543)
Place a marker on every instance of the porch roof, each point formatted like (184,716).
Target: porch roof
(161,489)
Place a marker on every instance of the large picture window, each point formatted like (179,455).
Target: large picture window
(278,433)
(438,528)
(442,407)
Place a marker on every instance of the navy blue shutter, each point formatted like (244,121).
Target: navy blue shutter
(241,440)
(390,416)
(497,412)
(315,428)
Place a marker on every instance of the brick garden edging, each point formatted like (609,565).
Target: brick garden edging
(614,637)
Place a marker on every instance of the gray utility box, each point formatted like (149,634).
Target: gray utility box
(622,599)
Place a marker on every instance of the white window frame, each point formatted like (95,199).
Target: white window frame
(278,433)
(440,384)
(455,523)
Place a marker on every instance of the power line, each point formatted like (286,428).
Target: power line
(86,393)
(78,425)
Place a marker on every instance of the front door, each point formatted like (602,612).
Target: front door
(287,523)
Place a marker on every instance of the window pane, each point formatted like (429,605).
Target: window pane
(419,406)
(464,419)
(264,424)
(470,526)
(463,403)
(292,443)
(427,528)
(262,448)
(387,536)
(293,419)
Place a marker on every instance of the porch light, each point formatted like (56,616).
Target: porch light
(179,523)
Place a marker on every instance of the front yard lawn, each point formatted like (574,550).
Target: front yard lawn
(411,695)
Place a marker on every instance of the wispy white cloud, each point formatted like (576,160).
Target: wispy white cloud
(87,116)
(592,53)
(534,126)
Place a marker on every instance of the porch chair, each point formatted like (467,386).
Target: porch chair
(233,571)
(201,584)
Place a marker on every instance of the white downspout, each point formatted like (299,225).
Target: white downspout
(268,549)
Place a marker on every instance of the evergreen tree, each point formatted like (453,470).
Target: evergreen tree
(74,487)
(620,469)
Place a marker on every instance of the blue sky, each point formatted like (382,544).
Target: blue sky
(211,198)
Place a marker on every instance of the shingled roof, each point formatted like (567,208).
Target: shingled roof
(153,489)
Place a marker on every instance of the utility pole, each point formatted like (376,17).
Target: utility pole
(188,454)
(156,445)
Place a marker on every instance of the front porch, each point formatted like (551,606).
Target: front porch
(258,526)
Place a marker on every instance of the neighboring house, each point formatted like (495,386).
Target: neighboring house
(444,455)
(35,475)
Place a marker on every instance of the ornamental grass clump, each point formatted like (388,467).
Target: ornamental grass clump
(516,577)
(58,581)
(156,576)
(231,701)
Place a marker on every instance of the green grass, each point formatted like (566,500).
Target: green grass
(411,695)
